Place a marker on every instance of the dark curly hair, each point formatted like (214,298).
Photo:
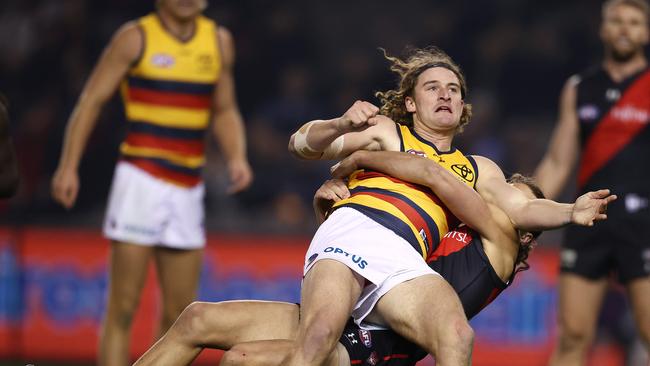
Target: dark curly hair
(525,248)
(419,60)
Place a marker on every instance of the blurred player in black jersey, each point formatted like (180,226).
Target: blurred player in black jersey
(603,124)
(8,165)
(478,266)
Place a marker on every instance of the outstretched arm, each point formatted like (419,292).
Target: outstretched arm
(538,214)
(462,200)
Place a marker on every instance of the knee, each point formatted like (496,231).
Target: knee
(463,333)
(120,311)
(320,338)
(191,324)
(573,336)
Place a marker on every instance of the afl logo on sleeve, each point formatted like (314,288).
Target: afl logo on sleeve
(463,171)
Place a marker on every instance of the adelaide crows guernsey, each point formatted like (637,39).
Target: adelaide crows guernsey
(411,211)
(167,97)
(614,132)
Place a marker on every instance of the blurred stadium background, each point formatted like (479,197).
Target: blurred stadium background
(296,61)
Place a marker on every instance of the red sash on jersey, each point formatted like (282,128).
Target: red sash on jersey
(602,145)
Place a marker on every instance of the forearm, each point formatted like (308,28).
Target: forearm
(541,214)
(230,132)
(314,138)
(79,127)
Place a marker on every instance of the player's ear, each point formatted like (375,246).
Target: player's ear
(409,102)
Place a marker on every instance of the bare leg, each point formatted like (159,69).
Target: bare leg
(329,292)
(639,291)
(579,305)
(178,273)
(275,353)
(128,269)
(427,311)
(221,325)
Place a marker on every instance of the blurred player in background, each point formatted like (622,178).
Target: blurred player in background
(603,120)
(174,68)
(8,164)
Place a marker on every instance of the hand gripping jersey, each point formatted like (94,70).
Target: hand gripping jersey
(167,97)
(411,211)
(461,260)
(614,132)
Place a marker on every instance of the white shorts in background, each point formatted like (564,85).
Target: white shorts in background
(148,211)
(373,251)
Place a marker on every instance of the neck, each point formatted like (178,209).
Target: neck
(180,28)
(441,138)
(620,70)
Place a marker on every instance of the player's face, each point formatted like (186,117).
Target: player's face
(624,31)
(437,101)
(184,9)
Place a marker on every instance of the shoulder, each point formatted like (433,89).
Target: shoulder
(128,40)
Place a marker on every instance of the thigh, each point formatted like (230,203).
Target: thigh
(128,270)
(178,272)
(417,308)
(579,302)
(329,291)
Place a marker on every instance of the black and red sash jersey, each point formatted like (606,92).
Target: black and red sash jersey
(461,260)
(614,135)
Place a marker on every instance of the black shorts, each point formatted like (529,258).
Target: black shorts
(379,347)
(619,245)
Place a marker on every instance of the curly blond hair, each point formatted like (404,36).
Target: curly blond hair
(419,60)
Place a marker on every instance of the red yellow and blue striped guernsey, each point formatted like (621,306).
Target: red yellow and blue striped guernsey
(410,210)
(167,98)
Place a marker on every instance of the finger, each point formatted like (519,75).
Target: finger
(601,216)
(602,193)
(373,108)
(373,121)
(611,198)
(369,110)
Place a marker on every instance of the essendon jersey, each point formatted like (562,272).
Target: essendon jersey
(461,260)
(614,135)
